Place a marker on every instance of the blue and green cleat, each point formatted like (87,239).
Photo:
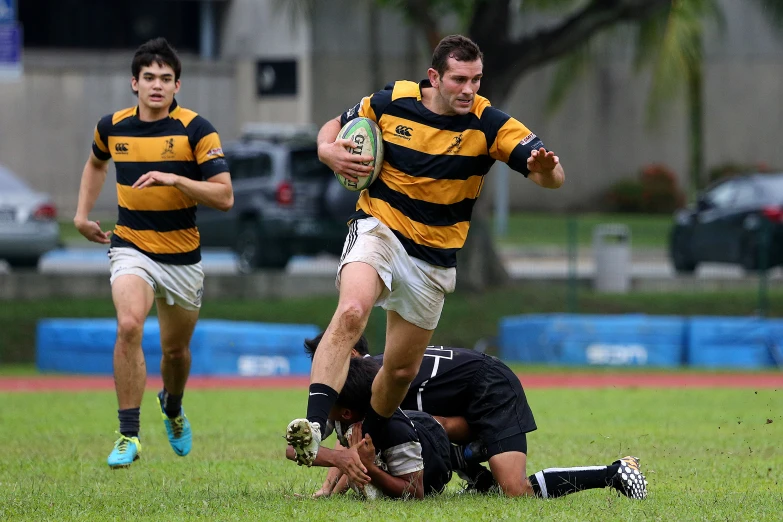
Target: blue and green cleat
(126,450)
(178,430)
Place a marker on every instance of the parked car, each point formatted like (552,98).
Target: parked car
(286,202)
(28,222)
(732,222)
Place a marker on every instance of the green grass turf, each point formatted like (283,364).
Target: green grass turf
(708,455)
(537,229)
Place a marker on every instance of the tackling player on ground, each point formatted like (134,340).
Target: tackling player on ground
(477,398)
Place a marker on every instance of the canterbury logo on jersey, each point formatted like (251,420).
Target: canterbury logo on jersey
(121,148)
(403,131)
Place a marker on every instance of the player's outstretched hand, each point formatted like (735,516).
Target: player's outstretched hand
(542,161)
(338,157)
(92,231)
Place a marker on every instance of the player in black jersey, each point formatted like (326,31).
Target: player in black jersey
(477,397)
(412,461)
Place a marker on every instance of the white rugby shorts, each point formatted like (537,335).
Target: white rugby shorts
(414,289)
(181,285)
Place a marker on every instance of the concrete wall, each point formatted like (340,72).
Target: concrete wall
(601,132)
(261,29)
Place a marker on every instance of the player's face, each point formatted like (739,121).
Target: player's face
(156,86)
(458,86)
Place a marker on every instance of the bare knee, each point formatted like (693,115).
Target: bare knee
(130,328)
(517,488)
(175,352)
(509,472)
(352,317)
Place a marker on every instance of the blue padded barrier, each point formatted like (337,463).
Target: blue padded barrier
(217,347)
(637,340)
(736,342)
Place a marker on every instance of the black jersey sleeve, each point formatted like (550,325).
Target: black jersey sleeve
(371,107)
(508,139)
(205,142)
(100,140)
(402,448)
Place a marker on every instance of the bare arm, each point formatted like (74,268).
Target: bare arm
(335,154)
(404,486)
(457,429)
(545,169)
(93,178)
(216,192)
(346,461)
(410,485)
(333,476)
(328,133)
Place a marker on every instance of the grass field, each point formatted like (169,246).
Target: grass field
(530,229)
(708,455)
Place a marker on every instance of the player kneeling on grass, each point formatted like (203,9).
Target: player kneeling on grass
(414,460)
(482,406)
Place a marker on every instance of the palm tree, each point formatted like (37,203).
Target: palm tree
(671,43)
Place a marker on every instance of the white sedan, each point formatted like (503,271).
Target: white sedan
(28,222)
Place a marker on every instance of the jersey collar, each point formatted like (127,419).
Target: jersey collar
(174,108)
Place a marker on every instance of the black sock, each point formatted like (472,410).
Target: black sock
(320,402)
(171,403)
(478,477)
(463,455)
(375,425)
(557,482)
(129,421)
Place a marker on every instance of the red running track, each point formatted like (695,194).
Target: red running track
(530,381)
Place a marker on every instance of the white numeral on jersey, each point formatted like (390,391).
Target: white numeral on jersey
(438,353)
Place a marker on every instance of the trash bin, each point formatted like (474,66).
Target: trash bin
(612,258)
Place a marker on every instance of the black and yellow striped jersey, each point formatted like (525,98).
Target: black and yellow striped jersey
(434,167)
(159,221)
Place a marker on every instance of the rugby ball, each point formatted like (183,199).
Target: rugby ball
(368,140)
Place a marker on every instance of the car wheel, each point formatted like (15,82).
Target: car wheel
(679,251)
(254,252)
(23,262)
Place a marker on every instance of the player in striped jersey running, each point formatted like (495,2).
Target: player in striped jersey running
(440,140)
(168,160)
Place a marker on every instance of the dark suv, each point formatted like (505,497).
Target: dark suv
(286,202)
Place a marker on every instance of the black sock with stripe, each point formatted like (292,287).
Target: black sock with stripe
(319,403)
(557,482)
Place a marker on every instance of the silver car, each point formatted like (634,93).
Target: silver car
(28,222)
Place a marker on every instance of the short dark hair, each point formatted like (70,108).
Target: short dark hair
(157,50)
(311,345)
(357,390)
(456,46)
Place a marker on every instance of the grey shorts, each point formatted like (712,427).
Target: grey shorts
(181,285)
(414,289)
